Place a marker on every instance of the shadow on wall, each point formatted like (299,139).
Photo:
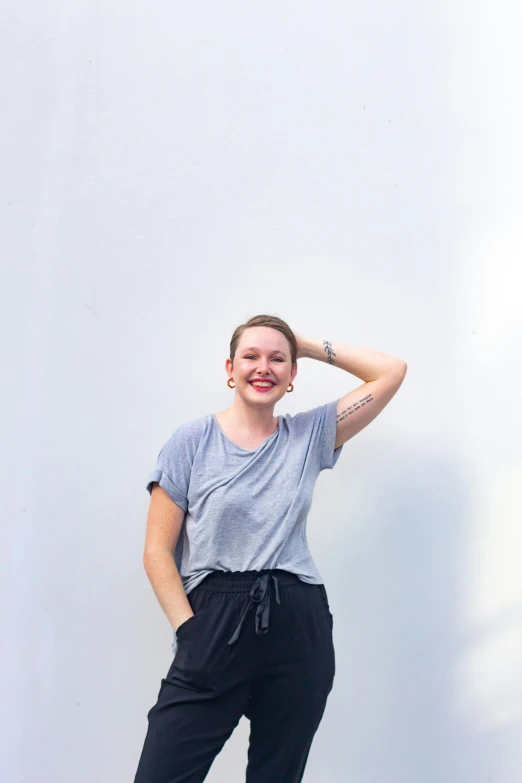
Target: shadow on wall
(395,587)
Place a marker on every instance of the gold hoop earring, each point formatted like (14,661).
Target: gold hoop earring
(290,388)
(228,384)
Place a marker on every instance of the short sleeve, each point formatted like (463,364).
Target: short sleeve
(328,424)
(319,428)
(173,467)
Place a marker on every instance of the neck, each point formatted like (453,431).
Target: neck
(251,418)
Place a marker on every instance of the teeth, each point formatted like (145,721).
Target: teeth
(262,384)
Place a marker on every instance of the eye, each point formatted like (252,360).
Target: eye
(253,357)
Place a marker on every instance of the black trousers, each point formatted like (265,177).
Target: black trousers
(260,645)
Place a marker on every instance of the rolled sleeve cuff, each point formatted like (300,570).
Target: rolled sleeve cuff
(330,455)
(172,491)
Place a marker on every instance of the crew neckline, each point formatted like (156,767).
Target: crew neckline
(248,451)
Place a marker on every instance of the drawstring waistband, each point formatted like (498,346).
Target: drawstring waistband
(259,594)
(258,585)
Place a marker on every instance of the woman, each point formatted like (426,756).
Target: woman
(230,496)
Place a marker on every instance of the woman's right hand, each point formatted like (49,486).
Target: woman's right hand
(183,620)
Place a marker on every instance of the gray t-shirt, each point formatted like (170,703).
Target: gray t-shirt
(246,510)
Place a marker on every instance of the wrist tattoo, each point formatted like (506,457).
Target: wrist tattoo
(329,352)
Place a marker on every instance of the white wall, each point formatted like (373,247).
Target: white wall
(171,169)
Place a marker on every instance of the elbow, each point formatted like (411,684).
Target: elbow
(149,557)
(399,370)
(153,555)
(396,369)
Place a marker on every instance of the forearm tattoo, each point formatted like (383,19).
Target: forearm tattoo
(329,352)
(355,407)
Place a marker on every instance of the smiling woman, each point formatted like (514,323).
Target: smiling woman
(226,539)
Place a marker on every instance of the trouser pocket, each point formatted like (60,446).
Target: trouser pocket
(202,653)
(315,617)
(324,599)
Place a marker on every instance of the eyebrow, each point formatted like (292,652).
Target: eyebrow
(252,348)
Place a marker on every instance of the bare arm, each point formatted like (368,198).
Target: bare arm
(383,376)
(164,522)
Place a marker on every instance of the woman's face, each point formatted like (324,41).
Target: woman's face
(262,352)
